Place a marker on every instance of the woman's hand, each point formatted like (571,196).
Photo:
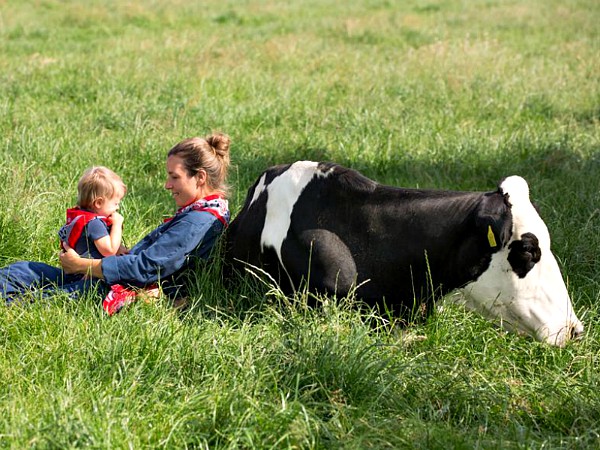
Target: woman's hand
(71,262)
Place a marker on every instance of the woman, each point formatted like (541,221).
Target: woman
(196,175)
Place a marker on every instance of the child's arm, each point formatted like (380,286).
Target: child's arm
(109,245)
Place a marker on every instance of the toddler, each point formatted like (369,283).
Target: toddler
(94,228)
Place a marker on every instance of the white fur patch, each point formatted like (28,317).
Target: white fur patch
(525,217)
(260,187)
(537,304)
(283,193)
(516,187)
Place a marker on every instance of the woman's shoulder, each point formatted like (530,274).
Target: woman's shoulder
(191,227)
(197,218)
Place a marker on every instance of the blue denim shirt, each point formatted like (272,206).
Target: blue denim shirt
(166,251)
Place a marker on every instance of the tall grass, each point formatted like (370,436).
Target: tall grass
(452,94)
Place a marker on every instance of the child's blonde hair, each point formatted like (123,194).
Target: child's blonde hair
(96,182)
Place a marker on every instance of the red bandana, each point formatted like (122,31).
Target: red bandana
(214,204)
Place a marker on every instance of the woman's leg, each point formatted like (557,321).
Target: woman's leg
(27,276)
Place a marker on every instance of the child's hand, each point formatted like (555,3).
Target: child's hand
(116,219)
(122,250)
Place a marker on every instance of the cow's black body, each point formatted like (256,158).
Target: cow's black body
(401,246)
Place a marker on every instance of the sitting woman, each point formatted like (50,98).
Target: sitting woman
(196,174)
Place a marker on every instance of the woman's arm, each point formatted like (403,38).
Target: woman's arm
(164,251)
(71,263)
(158,255)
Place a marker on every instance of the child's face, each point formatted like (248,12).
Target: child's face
(105,207)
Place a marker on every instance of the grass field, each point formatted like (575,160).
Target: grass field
(450,94)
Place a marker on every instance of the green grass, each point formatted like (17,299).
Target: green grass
(451,94)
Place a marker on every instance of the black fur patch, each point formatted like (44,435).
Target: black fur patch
(494,212)
(524,254)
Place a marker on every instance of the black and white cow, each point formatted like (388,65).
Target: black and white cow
(332,227)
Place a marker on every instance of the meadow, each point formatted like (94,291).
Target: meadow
(453,95)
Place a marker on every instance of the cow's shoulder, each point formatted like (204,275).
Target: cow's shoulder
(346,178)
(273,172)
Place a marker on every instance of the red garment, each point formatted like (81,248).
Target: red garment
(120,296)
(214,204)
(77,219)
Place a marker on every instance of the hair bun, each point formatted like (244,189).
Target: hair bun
(220,143)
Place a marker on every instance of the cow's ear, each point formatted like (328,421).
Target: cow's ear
(494,220)
(524,254)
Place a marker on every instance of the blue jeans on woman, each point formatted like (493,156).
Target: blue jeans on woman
(36,277)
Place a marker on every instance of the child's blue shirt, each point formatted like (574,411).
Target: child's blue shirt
(94,230)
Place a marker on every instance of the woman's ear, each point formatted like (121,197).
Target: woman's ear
(201,177)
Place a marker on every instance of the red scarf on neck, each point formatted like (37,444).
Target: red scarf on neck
(214,204)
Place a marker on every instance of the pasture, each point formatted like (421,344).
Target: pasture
(453,95)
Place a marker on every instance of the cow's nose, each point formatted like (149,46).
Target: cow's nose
(576,333)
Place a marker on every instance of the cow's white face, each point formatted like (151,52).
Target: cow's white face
(533,301)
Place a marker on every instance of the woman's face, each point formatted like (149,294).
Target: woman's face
(184,189)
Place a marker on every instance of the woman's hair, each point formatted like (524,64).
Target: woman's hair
(96,182)
(210,153)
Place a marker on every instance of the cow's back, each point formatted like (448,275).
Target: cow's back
(391,241)
(335,228)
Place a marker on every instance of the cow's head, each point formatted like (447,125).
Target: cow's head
(523,288)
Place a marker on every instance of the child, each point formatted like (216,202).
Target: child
(94,228)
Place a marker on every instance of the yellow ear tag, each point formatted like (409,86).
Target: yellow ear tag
(491,238)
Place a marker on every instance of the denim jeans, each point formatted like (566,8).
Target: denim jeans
(36,277)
